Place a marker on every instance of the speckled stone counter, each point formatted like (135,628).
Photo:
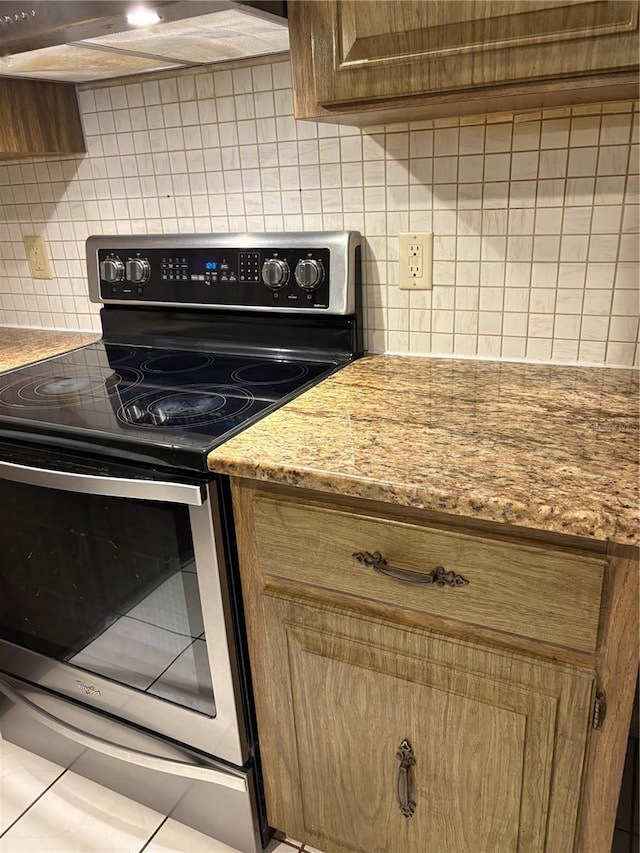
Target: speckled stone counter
(544,447)
(23,346)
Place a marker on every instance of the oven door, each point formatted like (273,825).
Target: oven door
(114,592)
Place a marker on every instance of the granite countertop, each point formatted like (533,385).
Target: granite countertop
(23,346)
(545,447)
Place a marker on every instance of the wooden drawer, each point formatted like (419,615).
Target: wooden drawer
(547,595)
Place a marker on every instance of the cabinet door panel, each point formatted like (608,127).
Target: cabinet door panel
(483,727)
(467,781)
(413,48)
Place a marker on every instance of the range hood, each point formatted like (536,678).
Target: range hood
(85,40)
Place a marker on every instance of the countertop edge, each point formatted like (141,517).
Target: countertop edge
(583,525)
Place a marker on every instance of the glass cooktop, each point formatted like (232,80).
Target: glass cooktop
(148,404)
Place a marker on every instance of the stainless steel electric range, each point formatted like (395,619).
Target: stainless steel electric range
(122,650)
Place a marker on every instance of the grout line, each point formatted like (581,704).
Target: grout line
(42,793)
(153,834)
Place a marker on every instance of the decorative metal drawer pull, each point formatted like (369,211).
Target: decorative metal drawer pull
(438,577)
(407,759)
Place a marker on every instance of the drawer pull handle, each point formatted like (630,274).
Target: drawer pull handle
(438,577)
(407,759)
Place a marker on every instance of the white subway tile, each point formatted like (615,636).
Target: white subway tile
(470,168)
(582,162)
(574,247)
(546,248)
(281,75)
(576,220)
(616,129)
(620,354)
(515,324)
(550,192)
(580,191)
(553,163)
(519,247)
(445,170)
(471,139)
(592,352)
(603,247)
(526,136)
(539,348)
(168,90)
(445,141)
(571,275)
(521,221)
(597,328)
(612,160)
(468,248)
(420,144)
(555,133)
(513,347)
(524,165)
(498,137)
(629,248)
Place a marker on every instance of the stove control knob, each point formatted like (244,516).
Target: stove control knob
(138,270)
(275,273)
(309,274)
(112,270)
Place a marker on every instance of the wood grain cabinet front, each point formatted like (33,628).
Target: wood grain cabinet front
(427,684)
(537,592)
(381,740)
(356,58)
(39,118)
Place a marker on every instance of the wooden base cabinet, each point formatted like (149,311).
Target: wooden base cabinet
(386,726)
(379,740)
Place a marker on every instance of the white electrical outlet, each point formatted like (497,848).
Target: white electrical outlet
(38,258)
(415,253)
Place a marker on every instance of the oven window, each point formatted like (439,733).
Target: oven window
(108,585)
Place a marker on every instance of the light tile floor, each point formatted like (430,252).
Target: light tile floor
(47,809)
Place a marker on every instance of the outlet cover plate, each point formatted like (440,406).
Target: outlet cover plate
(415,254)
(38,257)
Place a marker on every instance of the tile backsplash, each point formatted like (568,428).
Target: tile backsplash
(535,215)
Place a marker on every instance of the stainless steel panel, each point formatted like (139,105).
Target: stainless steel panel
(220,802)
(115,750)
(223,735)
(149,490)
(342,245)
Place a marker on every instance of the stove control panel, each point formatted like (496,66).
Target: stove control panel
(310,272)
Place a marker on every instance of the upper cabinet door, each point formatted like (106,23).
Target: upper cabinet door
(363,52)
(39,118)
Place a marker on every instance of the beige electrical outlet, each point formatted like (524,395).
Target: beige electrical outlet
(38,256)
(415,253)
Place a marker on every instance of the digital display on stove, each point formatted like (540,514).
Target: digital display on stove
(211,265)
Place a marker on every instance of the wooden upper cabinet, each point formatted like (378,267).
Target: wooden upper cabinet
(429,57)
(39,118)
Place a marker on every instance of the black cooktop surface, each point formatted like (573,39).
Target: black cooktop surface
(145,403)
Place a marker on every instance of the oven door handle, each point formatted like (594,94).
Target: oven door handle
(123,753)
(87,484)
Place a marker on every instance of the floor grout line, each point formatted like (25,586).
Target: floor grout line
(295,847)
(153,834)
(30,806)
